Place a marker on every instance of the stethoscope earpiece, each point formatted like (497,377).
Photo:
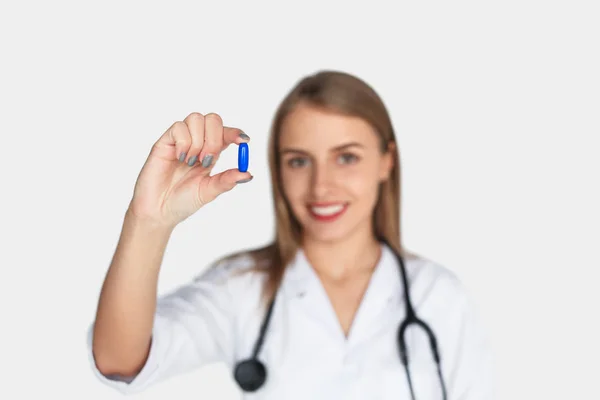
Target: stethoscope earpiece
(250,375)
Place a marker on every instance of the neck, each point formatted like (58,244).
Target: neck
(343,259)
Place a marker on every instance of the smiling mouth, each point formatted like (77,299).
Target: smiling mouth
(327,212)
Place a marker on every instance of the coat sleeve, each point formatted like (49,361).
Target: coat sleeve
(192,327)
(470,369)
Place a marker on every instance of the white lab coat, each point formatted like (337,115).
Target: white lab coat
(217,317)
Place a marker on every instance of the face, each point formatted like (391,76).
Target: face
(331,168)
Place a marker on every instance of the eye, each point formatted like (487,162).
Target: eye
(297,162)
(348,158)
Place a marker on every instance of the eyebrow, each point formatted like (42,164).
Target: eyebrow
(337,148)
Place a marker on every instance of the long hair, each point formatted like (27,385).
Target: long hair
(346,94)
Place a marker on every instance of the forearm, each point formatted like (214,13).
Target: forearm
(125,315)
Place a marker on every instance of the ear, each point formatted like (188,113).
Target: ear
(387,162)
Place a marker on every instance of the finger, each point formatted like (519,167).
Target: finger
(175,141)
(213,139)
(223,182)
(195,123)
(234,136)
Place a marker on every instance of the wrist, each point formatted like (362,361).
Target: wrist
(146,224)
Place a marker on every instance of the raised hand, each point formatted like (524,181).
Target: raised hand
(175,180)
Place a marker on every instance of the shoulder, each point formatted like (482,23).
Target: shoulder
(432,281)
(239,268)
(238,280)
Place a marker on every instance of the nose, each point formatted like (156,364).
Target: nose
(322,181)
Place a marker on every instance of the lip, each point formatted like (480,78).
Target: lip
(325,204)
(327,218)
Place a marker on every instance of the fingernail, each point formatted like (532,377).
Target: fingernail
(244,136)
(207,160)
(245,180)
(182,156)
(192,160)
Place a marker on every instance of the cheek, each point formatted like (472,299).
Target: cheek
(294,186)
(363,184)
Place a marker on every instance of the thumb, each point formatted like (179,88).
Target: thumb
(224,182)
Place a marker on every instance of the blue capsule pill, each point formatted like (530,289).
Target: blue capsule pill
(243,157)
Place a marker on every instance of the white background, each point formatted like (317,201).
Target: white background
(496,107)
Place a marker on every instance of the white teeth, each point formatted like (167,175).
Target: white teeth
(328,210)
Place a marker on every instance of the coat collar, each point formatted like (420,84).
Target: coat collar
(300,277)
(301,284)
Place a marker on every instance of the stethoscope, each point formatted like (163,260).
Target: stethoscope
(251,374)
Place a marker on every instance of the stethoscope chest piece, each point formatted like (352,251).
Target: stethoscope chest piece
(250,375)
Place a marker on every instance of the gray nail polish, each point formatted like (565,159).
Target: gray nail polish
(182,156)
(192,160)
(245,180)
(207,160)
(244,136)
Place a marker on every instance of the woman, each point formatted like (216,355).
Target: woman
(330,283)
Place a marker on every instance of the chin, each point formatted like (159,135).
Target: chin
(325,235)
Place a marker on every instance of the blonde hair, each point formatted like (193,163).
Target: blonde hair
(346,94)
